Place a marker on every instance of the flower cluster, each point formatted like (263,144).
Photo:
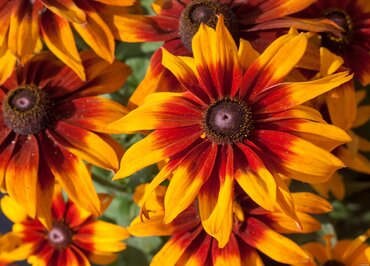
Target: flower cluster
(246,111)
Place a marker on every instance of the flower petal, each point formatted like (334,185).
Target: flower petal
(318,251)
(353,161)
(7,61)
(321,134)
(24,25)
(22,175)
(216,199)
(138,28)
(86,145)
(188,178)
(288,95)
(255,178)
(271,67)
(295,157)
(183,68)
(216,60)
(66,9)
(227,256)
(158,145)
(6,151)
(341,103)
(91,113)
(71,173)
(58,36)
(161,110)
(12,210)
(249,255)
(247,54)
(274,245)
(310,203)
(275,9)
(172,251)
(100,236)
(96,33)
(362,117)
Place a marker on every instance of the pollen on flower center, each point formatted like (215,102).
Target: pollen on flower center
(342,19)
(60,235)
(203,11)
(227,121)
(333,263)
(27,110)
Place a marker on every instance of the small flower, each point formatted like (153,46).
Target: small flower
(75,237)
(238,122)
(25,23)
(343,253)
(49,121)
(253,229)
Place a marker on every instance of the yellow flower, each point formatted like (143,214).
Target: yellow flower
(238,122)
(75,238)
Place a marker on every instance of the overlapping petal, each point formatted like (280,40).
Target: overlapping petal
(57,35)
(296,157)
(158,145)
(71,173)
(272,244)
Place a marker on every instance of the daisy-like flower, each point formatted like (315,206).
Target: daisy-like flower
(353,44)
(237,121)
(75,237)
(344,253)
(176,22)
(25,23)
(49,121)
(253,229)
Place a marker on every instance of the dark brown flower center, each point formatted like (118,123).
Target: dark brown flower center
(27,110)
(227,121)
(203,11)
(60,235)
(343,20)
(333,263)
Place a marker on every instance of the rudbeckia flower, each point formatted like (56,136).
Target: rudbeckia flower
(344,253)
(76,237)
(253,229)
(237,122)
(176,22)
(353,44)
(49,121)
(24,24)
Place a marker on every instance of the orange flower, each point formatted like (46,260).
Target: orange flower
(344,253)
(49,121)
(24,23)
(74,238)
(237,123)
(253,229)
